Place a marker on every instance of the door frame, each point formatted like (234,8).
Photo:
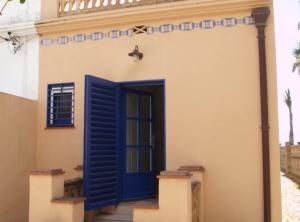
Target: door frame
(138,83)
(86,124)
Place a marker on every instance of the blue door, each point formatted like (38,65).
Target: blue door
(101,158)
(118,144)
(138,173)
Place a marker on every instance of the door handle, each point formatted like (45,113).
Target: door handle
(153,142)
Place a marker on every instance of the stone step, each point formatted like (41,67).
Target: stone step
(123,213)
(114,217)
(153,204)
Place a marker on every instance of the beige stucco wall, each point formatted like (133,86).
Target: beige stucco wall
(212,105)
(17,155)
(44,188)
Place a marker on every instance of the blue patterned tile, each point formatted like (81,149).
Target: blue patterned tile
(79,38)
(186,26)
(54,41)
(196,25)
(46,42)
(150,30)
(115,34)
(106,35)
(125,32)
(229,22)
(208,24)
(63,40)
(176,27)
(219,23)
(165,28)
(130,32)
(248,20)
(240,21)
(97,36)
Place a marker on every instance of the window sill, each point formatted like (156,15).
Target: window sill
(60,127)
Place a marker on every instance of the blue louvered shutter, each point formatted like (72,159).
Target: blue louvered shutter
(101,143)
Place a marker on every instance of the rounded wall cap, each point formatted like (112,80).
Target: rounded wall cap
(69,200)
(79,168)
(174,174)
(192,168)
(47,172)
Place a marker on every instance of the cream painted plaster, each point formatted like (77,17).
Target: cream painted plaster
(17,156)
(14,12)
(199,176)
(19,72)
(175,202)
(212,105)
(45,188)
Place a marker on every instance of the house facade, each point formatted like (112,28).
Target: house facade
(202,58)
(130,89)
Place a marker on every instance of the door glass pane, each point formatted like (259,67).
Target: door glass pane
(145,106)
(132,162)
(132,105)
(145,133)
(131,137)
(145,160)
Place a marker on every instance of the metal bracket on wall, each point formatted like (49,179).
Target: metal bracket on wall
(15,42)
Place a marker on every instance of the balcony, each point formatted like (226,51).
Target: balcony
(75,7)
(61,16)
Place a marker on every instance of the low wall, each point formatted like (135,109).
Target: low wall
(17,155)
(290,161)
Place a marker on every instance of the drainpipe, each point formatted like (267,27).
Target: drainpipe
(260,16)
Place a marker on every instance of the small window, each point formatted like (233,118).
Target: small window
(60,107)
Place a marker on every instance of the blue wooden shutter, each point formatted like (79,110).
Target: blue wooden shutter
(101,183)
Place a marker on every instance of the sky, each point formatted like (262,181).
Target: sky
(287,17)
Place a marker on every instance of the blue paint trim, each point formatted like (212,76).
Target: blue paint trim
(185,26)
(120,137)
(53,105)
(155,82)
(119,141)
(86,168)
(65,84)
(97,193)
(165,124)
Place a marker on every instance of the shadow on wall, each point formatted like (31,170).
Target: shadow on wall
(17,155)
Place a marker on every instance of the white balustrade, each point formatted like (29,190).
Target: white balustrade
(73,7)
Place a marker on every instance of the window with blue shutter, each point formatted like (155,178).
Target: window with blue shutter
(60,105)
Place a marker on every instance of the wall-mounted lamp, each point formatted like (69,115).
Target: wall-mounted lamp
(136,54)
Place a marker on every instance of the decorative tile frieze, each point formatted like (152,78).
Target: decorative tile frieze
(163,29)
(80,38)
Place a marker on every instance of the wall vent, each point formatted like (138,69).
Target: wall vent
(139,29)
